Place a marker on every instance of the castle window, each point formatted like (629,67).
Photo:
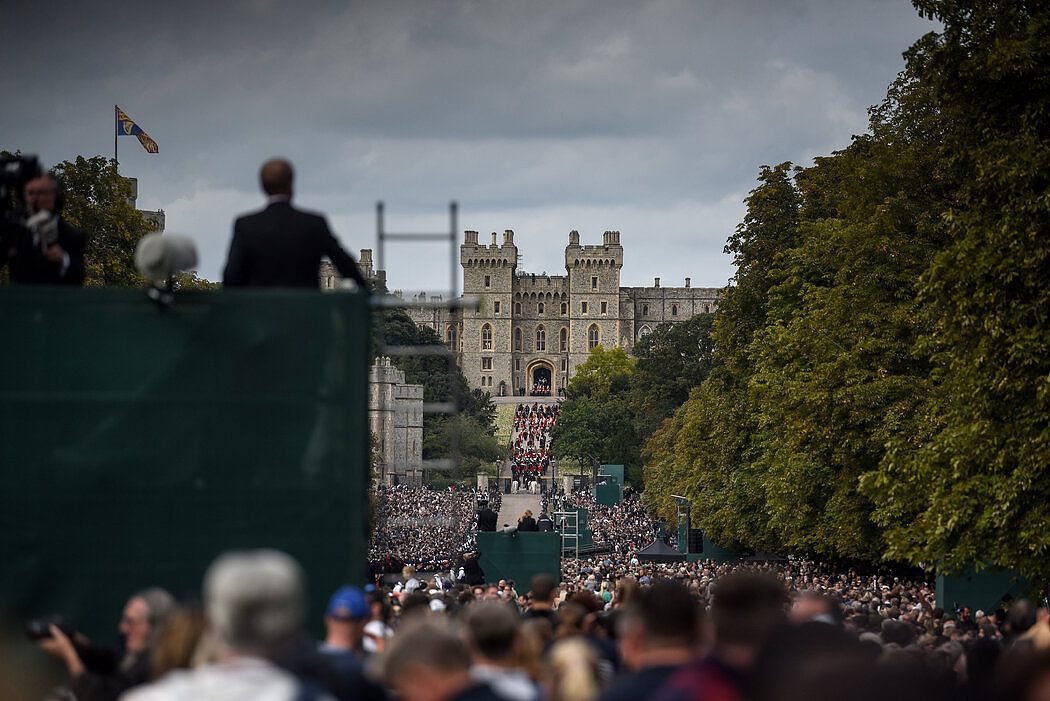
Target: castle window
(488,281)
(539,307)
(517,307)
(583,307)
(564,308)
(707,309)
(564,364)
(486,337)
(674,310)
(517,339)
(643,331)
(486,363)
(563,340)
(594,282)
(541,339)
(605,307)
(517,363)
(593,338)
(495,307)
(450,337)
(645,310)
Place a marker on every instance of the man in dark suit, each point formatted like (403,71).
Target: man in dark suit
(47,250)
(282,246)
(486,518)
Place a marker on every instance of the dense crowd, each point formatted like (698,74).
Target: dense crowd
(531,443)
(624,527)
(615,628)
(429,529)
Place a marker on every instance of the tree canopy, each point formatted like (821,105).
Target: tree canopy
(596,424)
(97,202)
(879,379)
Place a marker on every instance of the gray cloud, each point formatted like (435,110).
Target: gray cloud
(647,117)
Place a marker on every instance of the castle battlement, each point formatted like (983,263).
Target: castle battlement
(533,328)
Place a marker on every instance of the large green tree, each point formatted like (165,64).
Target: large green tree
(707,452)
(881,357)
(968,482)
(97,202)
(672,360)
(596,424)
(466,441)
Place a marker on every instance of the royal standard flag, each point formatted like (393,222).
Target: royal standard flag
(126,127)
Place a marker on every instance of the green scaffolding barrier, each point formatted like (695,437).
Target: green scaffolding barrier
(137,443)
(519,556)
(986,589)
(609,493)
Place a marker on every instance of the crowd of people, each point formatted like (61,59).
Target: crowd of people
(531,443)
(426,528)
(622,528)
(614,628)
(541,388)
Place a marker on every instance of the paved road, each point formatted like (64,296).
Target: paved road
(514,505)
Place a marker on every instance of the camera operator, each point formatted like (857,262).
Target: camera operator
(45,250)
(103,675)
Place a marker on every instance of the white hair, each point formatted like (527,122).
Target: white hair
(254,599)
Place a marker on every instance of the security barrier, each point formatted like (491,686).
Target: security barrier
(138,442)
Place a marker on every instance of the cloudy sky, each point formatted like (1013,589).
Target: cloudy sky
(647,117)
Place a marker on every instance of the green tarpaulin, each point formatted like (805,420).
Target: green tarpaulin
(137,443)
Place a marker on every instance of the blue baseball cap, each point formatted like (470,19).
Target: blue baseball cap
(346,604)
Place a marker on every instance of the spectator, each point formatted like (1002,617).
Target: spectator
(427,661)
(659,633)
(745,609)
(574,671)
(377,631)
(101,675)
(344,622)
(254,604)
(541,600)
(526,522)
(492,634)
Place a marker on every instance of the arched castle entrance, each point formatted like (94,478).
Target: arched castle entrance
(539,379)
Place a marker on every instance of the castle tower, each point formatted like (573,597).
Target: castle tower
(485,334)
(594,291)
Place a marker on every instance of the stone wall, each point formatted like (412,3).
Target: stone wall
(395,419)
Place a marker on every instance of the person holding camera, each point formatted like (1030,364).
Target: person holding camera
(103,675)
(46,250)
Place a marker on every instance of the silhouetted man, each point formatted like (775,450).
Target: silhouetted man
(282,246)
(486,518)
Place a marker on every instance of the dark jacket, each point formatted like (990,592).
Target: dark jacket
(282,246)
(486,519)
(527,524)
(30,267)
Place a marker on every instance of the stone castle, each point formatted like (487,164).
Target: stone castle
(530,331)
(527,336)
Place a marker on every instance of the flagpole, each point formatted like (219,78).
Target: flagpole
(115,162)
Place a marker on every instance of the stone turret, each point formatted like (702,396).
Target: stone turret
(366,263)
(484,334)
